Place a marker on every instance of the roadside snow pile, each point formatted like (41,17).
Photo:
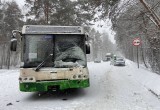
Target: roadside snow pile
(149,79)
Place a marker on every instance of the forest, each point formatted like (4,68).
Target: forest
(130,19)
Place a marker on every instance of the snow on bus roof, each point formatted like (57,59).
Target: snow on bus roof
(49,29)
(108,54)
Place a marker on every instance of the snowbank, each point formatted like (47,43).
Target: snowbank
(149,79)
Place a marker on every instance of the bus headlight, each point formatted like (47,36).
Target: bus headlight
(85,76)
(74,76)
(27,79)
(20,79)
(79,76)
(30,78)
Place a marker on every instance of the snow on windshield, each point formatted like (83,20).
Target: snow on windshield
(69,51)
(120,59)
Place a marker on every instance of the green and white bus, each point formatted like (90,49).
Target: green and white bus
(52,57)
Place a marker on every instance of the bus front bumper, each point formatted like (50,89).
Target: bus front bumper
(47,85)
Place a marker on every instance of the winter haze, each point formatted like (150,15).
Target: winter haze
(80,55)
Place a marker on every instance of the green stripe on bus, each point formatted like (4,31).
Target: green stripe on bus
(44,85)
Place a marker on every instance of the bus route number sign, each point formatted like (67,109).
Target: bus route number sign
(136,42)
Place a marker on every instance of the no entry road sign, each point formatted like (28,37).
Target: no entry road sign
(136,42)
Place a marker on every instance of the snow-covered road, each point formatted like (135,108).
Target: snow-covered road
(112,88)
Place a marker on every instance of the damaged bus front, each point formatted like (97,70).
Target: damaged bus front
(52,57)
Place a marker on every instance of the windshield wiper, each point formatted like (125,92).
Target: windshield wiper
(41,64)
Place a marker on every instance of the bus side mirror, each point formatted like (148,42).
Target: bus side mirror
(87,49)
(13,46)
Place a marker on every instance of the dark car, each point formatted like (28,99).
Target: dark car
(107,59)
(119,62)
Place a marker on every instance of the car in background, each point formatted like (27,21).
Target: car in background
(108,57)
(97,60)
(119,62)
(105,59)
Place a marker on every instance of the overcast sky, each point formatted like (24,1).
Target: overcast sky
(102,26)
(19,2)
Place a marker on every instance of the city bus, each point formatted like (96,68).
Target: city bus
(52,57)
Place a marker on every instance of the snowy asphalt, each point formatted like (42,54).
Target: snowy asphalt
(112,88)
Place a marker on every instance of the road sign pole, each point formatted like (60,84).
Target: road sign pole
(137,42)
(137,58)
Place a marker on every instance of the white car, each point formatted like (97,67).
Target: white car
(119,62)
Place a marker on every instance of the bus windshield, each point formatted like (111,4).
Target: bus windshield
(67,50)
